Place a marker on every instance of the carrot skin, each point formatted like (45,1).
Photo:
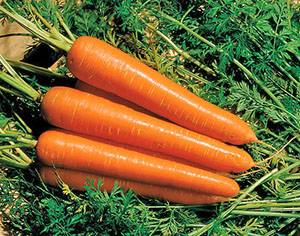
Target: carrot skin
(88,114)
(77,180)
(103,66)
(82,86)
(64,149)
(156,154)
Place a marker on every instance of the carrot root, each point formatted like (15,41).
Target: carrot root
(68,150)
(88,114)
(77,180)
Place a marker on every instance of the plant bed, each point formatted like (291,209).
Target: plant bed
(241,56)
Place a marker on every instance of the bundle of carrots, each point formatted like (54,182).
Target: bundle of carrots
(110,130)
(154,157)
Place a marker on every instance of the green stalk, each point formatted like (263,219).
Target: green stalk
(6,90)
(13,73)
(295,193)
(17,85)
(274,78)
(260,84)
(35,69)
(184,71)
(11,146)
(8,135)
(12,82)
(293,177)
(16,134)
(223,215)
(284,224)
(11,156)
(264,213)
(11,163)
(45,36)
(64,25)
(26,161)
(276,209)
(182,52)
(287,74)
(28,142)
(22,122)
(268,205)
(235,61)
(17,82)
(22,154)
(52,29)
(271,201)
(282,139)
(292,159)
(284,170)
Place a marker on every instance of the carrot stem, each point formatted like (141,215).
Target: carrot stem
(17,85)
(52,29)
(12,163)
(17,82)
(6,90)
(13,134)
(22,154)
(265,213)
(293,177)
(282,139)
(26,127)
(35,69)
(182,71)
(64,25)
(269,204)
(4,147)
(286,169)
(30,143)
(12,72)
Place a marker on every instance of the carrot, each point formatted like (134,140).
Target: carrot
(77,180)
(67,150)
(85,113)
(156,154)
(101,93)
(110,96)
(103,66)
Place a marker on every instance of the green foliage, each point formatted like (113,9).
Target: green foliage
(262,35)
(93,212)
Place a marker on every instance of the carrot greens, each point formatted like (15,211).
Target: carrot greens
(254,49)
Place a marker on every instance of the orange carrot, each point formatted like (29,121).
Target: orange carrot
(111,97)
(103,66)
(88,114)
(156,154)
(77,179)
(67,150)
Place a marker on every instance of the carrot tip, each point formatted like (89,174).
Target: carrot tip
(251,137)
